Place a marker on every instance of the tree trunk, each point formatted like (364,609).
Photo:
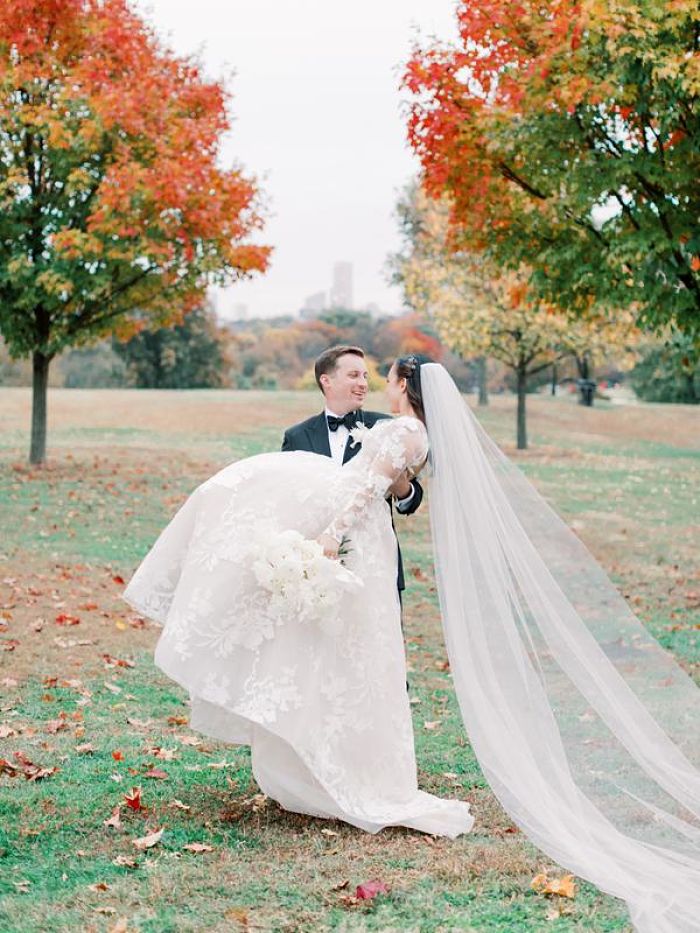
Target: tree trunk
(482,375)
(521,374)
(40,381)
(555,376)
(586,385)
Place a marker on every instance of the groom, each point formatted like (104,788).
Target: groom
(341,375)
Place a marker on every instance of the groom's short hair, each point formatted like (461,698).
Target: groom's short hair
(328,360)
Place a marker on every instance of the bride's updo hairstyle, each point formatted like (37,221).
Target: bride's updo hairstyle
(408,368)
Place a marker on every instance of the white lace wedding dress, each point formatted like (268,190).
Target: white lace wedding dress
(322,704)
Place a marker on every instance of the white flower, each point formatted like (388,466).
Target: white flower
(358,434)
(302,582)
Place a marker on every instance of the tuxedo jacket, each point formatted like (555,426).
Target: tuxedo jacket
(312,435)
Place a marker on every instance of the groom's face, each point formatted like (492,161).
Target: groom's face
(345,388)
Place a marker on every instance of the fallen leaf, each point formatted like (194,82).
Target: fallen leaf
(370,889)
(115,819)
(26,767)
(63,618)
(156,773)
(118,755)
(125,861)
(99,886)
(87,748)
(432,725)
(6,731)
(179,805)
(178,720)
(198,847)
(55,725)
(562,887)
(9,644)
(149,840)
(133,799)
(188,740)
(117,578)
(329,832)
(111,661)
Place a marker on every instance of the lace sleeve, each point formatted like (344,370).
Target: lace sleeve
(403,443)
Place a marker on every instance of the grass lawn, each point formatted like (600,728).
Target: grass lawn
(79,692)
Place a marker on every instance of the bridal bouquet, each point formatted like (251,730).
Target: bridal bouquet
(299,578)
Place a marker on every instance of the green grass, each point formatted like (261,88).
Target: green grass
(108,490)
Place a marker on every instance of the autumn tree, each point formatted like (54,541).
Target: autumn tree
(482,311)
(115,214)
(567,135)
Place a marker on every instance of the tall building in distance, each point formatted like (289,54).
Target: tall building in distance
(341,290)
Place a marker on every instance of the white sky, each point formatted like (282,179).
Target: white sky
(317,119)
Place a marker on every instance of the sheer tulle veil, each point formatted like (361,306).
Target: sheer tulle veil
(585,728)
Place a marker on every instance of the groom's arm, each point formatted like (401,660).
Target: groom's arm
(407,504)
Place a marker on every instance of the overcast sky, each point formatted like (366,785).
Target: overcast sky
(317,119)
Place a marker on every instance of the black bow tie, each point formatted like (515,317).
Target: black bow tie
(349,420)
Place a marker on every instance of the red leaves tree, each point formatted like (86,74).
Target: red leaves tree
(115,211)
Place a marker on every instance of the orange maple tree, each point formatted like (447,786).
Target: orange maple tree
(116,212)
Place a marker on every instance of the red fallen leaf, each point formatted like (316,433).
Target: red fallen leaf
(156,773)
(115,819)
(370,889)
(117,755)
(63,618)
(8,644)
(133,799)
(50,681)
(88,607)
(118,579)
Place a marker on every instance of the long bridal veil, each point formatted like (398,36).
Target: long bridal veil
(586,729)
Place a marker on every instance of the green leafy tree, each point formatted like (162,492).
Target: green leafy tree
(187,356)
(669,372)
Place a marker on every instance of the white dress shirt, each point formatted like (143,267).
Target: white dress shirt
(337,441)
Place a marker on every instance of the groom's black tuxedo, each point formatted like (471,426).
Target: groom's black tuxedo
(312,435)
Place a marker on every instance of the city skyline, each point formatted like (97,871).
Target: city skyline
(316,116)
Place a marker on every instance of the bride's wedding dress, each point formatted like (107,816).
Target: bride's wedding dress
(321,702)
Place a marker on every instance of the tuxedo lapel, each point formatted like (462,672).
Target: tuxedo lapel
(317,433)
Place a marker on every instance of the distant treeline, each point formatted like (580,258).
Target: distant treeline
(278,353)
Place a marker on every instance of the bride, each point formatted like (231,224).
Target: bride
(586,730)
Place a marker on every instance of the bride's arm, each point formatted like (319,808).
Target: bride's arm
(403,445)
